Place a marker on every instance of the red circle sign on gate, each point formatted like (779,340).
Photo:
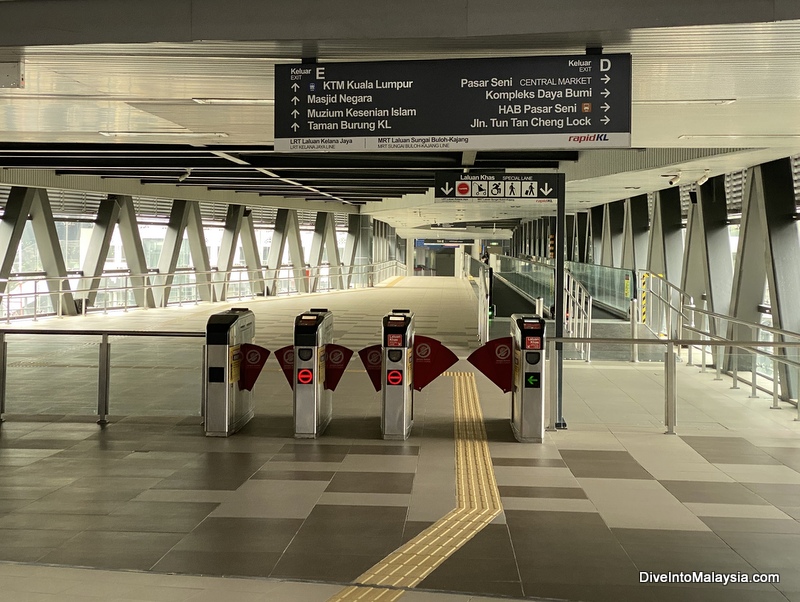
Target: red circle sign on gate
(463,188)
(305,376)
(394,377)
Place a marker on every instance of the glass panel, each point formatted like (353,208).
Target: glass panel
(155,376)
(606,285)
(52,374)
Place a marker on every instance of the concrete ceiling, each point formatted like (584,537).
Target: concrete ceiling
(714,97)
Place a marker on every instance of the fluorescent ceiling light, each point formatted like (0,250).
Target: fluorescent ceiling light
(234,101)
(693,101)
(112,134)
(734,136)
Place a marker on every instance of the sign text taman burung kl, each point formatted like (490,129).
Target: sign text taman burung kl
(538,102)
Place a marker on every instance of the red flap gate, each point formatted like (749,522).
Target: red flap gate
(337,357)
(495,361)
(431,359)
(253,360)
(371,358)
(285,357)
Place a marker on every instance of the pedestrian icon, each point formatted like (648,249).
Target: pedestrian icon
(512,189)
(496,189)
(479,189)
(530,189)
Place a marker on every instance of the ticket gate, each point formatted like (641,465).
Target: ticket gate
(227,407)
(528,384)
(397,407)
(313,401)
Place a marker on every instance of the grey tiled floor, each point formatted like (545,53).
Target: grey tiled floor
(282,519)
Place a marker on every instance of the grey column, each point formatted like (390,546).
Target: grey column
(783,251)
(99,244)
(634,246)
(363,256)
(12,225)
(750,268)
(44,229)
(170,251)
(227,248)
(693,271)
(252,257)
(719,267)
(276,249)
(613,228)
(317,251)
(391,243)
(134,252)
(665,252)
(199,251)
(596,229)
(582,233)
(570,237)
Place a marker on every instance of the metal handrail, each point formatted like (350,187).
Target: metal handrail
(670,372)
(357,276)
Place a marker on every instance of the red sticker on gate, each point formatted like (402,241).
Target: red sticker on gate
(533,343)
(394,340)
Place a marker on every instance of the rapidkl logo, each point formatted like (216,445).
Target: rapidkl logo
(589,138)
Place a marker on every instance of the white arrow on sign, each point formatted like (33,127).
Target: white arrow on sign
(295,87)
(447,189)
(605,119)
(605,106)
(295,113)
(295,100)
(546,189)
(606,78)
(295,127)
(606,93)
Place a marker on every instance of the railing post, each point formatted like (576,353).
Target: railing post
(670,389)
(35,298)
(719,355)
(60,286)
(634,311)
(203,390)
(589,330)
(703,340)
(3,374)
(797,418)
(753,377)
(691,347)
(776,382)
(104,381)
(552,385)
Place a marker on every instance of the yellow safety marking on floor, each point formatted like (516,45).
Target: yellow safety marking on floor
(478,503)
(392,282)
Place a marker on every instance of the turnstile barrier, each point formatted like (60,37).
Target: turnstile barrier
(528,390)
(397,407)
(228,407)
(516,364)
(313,402)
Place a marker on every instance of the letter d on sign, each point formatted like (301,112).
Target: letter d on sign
(605,64)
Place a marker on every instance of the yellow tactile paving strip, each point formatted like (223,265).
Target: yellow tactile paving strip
(478,504)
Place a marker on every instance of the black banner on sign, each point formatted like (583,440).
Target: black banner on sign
(544,102)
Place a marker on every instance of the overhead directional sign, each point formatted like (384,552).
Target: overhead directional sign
(533,187)
(480,104)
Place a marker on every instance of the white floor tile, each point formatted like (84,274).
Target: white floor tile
(639,504)
(736,510)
